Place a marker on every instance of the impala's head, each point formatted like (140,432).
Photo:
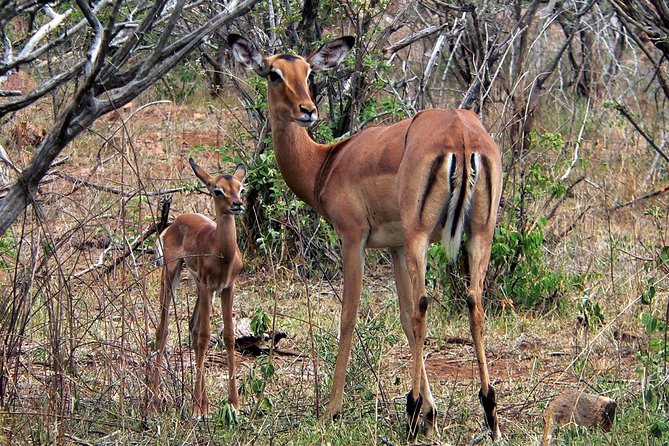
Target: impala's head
(288,76)
(226,189)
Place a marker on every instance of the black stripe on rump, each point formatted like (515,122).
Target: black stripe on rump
(488,184)
(461,201)
(451,186)
(434,170)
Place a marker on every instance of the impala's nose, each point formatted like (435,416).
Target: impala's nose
(309,115)
(308,109)
(237,207)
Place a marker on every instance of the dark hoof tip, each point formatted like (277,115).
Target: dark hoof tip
(490,408)
(431,417)
(413,414)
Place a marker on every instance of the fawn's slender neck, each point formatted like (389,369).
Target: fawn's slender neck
(226,235)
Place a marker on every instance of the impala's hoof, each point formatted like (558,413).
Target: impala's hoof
(413,415)
(202,417)
(331,415)
(430,422)
(490,408)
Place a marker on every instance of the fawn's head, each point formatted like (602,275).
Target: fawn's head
(225,189)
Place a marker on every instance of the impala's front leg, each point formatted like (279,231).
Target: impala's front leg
(201,334)
(352,253)
(227,297)
(416,248)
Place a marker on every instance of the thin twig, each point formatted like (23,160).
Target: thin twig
(656,193)
(131,248)
(578,143)
(625,112)
(75,180)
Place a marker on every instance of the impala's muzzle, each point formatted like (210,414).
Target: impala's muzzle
(308,117)
(236,208)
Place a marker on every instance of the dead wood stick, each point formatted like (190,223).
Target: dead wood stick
(625,112)
(154,228)
(656,193)
(426,32)
(8,93)
(580,408)
(76,181)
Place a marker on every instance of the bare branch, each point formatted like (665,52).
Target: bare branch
(577,146)
(653,194)
(42,90)
(55,22)
(422,34)
(84,108)
(626,113)
(10,63)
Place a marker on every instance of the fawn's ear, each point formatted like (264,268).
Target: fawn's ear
(201,173)
(240,173)
(247,54)
(329,55)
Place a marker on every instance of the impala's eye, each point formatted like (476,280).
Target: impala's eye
(219,193)
(275,77)
(310,78)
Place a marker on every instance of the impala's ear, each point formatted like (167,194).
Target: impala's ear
(247,54)
(329,55)
(240,173)
(201,173)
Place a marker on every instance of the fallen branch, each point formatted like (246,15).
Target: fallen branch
(154,228)
(657,193)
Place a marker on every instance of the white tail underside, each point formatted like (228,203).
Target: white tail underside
(452,243)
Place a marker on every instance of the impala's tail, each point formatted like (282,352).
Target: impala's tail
(160,228)
(461,180)
(158,252)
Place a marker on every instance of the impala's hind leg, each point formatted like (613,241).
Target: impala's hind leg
(478,250)
(417,403)
(403,283)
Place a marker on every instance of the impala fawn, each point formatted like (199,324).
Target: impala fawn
(209,250)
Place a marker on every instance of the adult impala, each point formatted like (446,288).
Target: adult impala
(400,187)
(209,250)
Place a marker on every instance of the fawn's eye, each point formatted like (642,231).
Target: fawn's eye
(310,78)
(219,193)
(275,77)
